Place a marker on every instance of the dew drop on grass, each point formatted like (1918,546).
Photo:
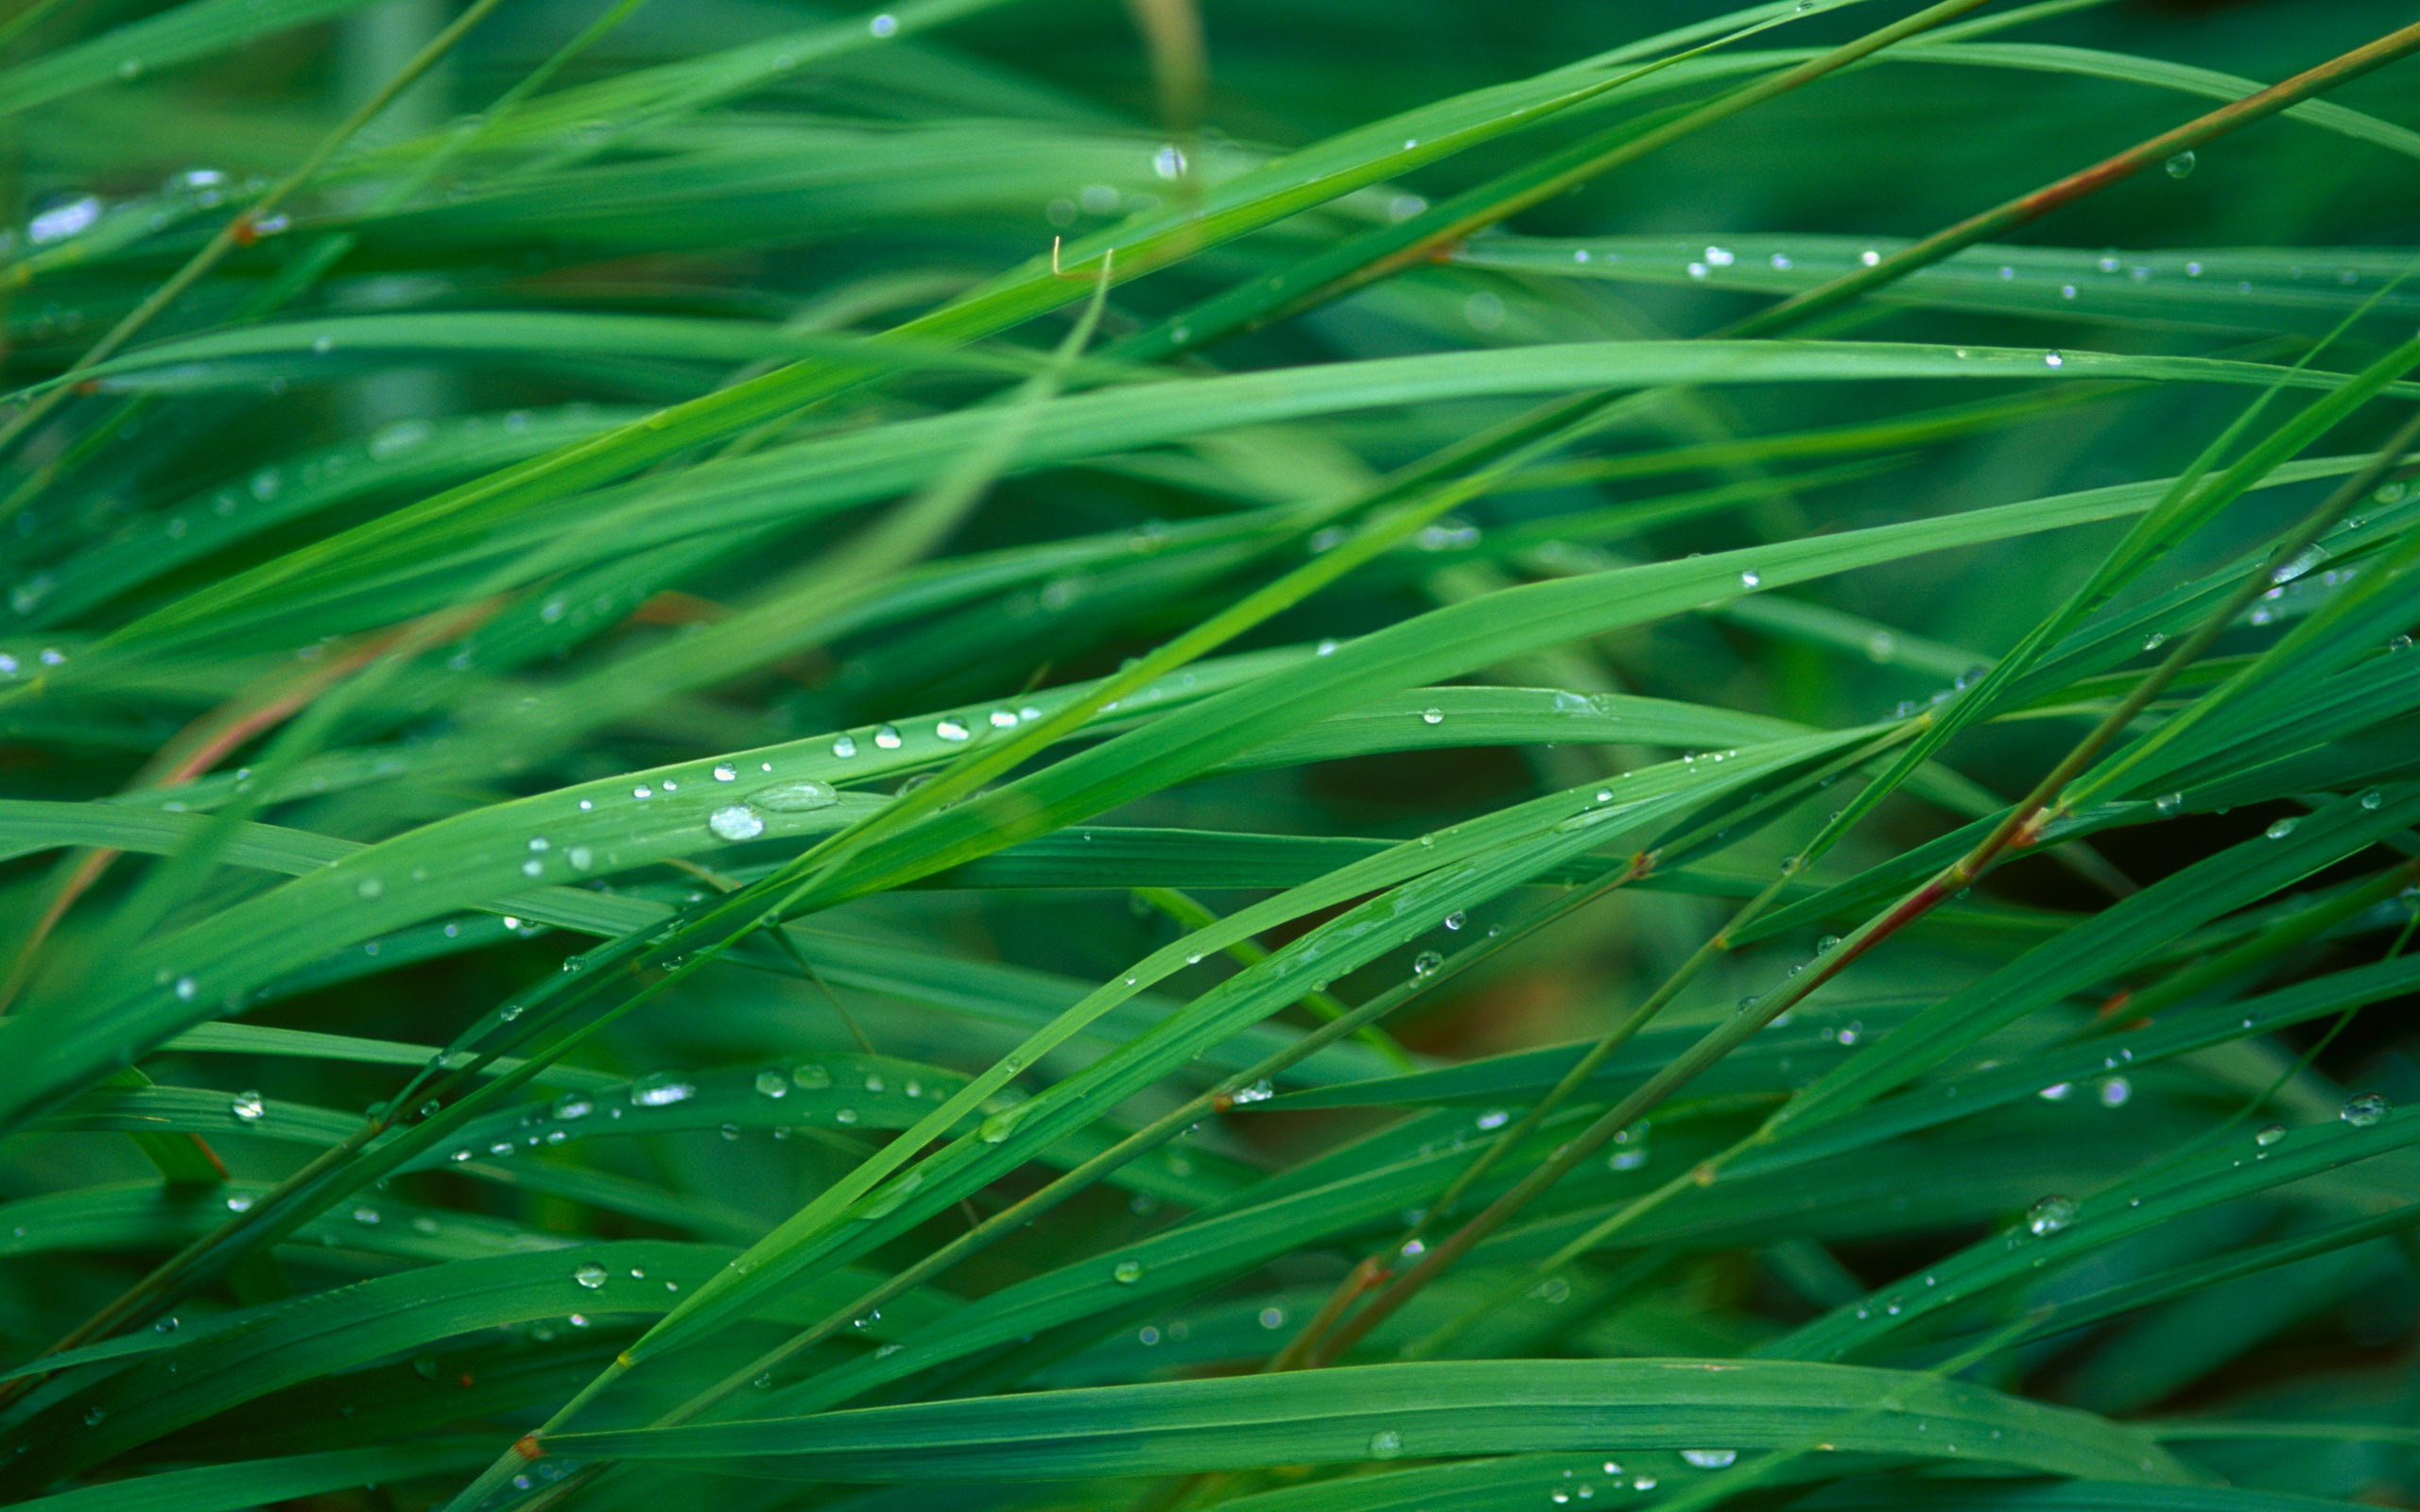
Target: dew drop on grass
(590,1275)
(845,747)
(887,737)
(2058,1092)
(2049,1215)
(1710,1459)
(1127,1272)
(2281,828)
(736,822)
(2365,1109)
(773,1084)
(810,1075)
(801,797)
(246,1105)
(1386,1444)
(725,772)
(951,729)
(1750,579)
(2372,798)
(661,1090)
(1456,919)
(2181,165)
(2169,803)
(2052,359)
(1433,716)
(2269,1136)
(1427,963)
(2115,1092)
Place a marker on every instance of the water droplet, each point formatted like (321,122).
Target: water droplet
(1495,1118)
(369,887)
(1127,1272)
(2269,1136)
(773,1084)
(2281,828)
(1456,919)
(1750,579)
(884,26)
(800,797)
(2115,1092)
(1433,716)
(246,1105)
(1710,1459)
(580,857)
(809,1075)
(951,729)
(661,1090)
(2181,165)
(2365,1109)
(590,1275)
(724,772)
(2169,803)
(845,747)
(2156,640)
(2051,359)
(2049,1215)
(1427,963)
(736,822)
(185,988)
(2372,798)
(1386,1444)
(2058,1092)
(887,737)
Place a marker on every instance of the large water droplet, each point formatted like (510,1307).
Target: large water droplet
(2281,828)
(2049,1215)
(795,797)
(246,1105)
(886,736)
(1427,963)
(1127,1272)
(2365,1109)
(1710,1459)
(590,1275)
(661,1090)
(736,822)
(2181,165)
(773,1084)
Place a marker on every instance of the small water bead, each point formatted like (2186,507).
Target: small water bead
(1750,579)
(2049,1215)
(1427,963)
(845,747)
(2281,828)
(771,1083)
(2169,803)
(1433,716)
(2156,640)
(736,822)
(844,1115)
(725,772)
(2372,798)
(1127,1272)
(369,887)
(185,988)
(2052,359)
(2181,165)
(1386,1444)
(1495,1118)
(590,1275)
(801,797)
(951,730)
(580,857)
(2115,1092)
(1711,1459)
(810,1075)
(246,1105)
(2058,1092)
(887,737)
(1456,919)
(2269,1136)
(884,26)
(2366,1109)
(1642,1483)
